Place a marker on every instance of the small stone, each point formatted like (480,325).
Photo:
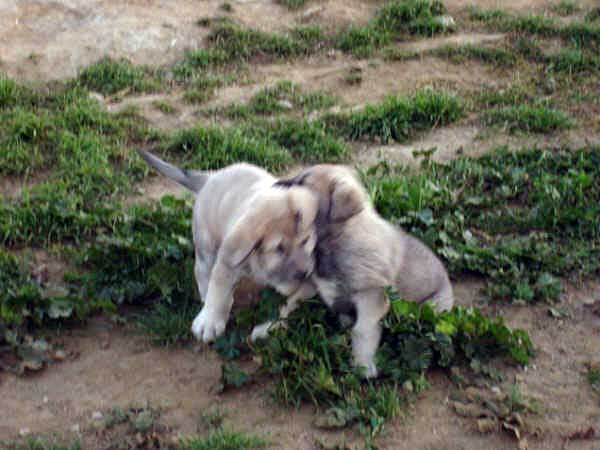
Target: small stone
(60,355)
(312,12)
(285,104)
(24,431)
(97,415)
(446,21)
(75,428)
(45,399)
(407,386)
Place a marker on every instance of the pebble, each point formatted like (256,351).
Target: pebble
(97,415)
(24,431)
(45,399)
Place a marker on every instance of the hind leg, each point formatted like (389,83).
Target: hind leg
(371,307)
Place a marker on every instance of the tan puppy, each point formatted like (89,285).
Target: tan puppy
(358,254)
(244,226)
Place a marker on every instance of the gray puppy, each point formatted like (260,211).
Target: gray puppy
(358,254)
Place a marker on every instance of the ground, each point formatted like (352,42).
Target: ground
(109,364)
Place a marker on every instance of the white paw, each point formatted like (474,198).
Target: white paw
(208,326)
(260,331)
(369,370)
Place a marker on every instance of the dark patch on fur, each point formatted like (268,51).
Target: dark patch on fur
(345,310)
(298,180)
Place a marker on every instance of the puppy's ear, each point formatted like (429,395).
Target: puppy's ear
(346,199)
(304,204)
(243,240)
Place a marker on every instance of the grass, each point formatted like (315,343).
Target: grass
(583,34)
(566,7)
(109,76)
(222,439)
(282,97)
(489,55)
(519,219)
(399,118)
(292,4)
(535,119)
(593,377)
(393,20)
(311,358)
(164,106)
(38,444)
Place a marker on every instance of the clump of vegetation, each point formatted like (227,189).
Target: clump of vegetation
(292,4)
(285,96)
(395,19)
(535,119)
(213,148)
(520,219)
(223,439)
(583,34)
(164,106)
(109,76)
(490,55)
(312,358)
(565,7)
(399,118)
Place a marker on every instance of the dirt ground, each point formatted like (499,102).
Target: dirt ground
(110,365)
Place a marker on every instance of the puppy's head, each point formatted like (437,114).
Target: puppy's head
(341,195)
(277,237)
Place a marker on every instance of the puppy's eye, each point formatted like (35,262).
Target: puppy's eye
(280,249)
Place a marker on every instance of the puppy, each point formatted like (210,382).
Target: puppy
(358,254)
(244,226)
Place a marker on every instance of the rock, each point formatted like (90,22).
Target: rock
(486,425)
(285,104)
(75,428)
(97,415)
(446,21)
(24,431)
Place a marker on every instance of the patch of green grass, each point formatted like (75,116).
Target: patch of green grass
(581,33)
(490,55)
(519,219)
(399,118)
(593,377)
(393,20)
(13,94)
(222,439)
(566,7)
(168,324)
(214,148)
(312,358)
(593,14)
(109,76)
(308,142)
(39,444)
(164,106)
(572,61)
(514,95)
(282,97)
(534,119)
(292,4)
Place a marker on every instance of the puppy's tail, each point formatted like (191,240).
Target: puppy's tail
(191,179)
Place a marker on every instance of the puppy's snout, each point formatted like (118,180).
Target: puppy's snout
(300,266)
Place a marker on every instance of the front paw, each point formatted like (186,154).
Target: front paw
(208,326)
(260,331)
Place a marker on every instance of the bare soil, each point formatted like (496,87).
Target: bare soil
(110,365)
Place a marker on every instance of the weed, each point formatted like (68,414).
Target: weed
(292,4)
(398,118)
(213,148)
(223,439)
(354,76)
(226,7)
(168,325)
(582,34)
(164,106)
(496,56)
(593,377)
(565,7)
(282,97)
(533,119)
(312,357)
(196,96)
(514,95)
(394,19)
(593,14)
(110,76)
(39,444)
(520,219)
